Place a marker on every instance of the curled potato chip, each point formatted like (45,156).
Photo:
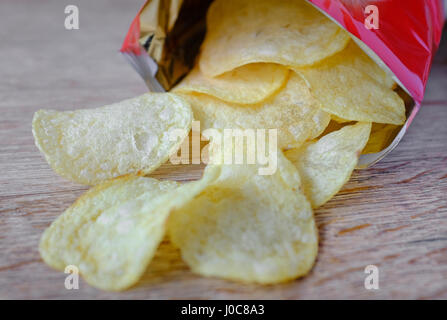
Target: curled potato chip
(293,112)
(339,120)
(327,164)
(291,33)
(112,232)
(248,84)
(351,86)
(382,135)
(248,227)
(133,136)
(334,126)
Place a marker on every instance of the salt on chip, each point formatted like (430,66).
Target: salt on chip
(293,112)
(351,86)
(327,164)
(248,84)
(291,33)
(112,232)
(382,135)
(247,227)
(133,136)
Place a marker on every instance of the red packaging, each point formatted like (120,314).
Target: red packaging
(401,36)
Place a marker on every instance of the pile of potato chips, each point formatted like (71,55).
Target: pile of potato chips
(264,64)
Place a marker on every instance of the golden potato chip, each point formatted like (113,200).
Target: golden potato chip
(89,232)
(339,120)
(248,227)
(351,86)
(248,84)
(293,111)
(334,126)
(291,33)
(112,232)
(327,164)
(382,135)
(92,145)
(386,79)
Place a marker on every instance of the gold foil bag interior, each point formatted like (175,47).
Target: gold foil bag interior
(171,33)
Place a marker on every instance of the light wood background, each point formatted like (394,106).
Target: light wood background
(393,215)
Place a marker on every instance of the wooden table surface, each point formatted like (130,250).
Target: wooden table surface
(393,215)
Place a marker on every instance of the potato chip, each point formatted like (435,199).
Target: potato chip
(335,126)
(352,87)
(382,135)
(327,164)
(112,232)
(248,84)
(339,120)
(293,111)
(247,227)
(291,33)
(92,145)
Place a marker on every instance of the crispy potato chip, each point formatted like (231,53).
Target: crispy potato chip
(291,33)
(335,126)
(352,87)
(339,120)
(133,136)
(98,224)
(111,233)
(248,84)
(382,135)
(293,111)
(248,227)
(327,164)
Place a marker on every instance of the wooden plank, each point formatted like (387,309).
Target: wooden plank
(393,215)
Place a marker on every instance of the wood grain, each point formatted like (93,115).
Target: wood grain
(393,215)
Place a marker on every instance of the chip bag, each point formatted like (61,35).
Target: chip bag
(165,37)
